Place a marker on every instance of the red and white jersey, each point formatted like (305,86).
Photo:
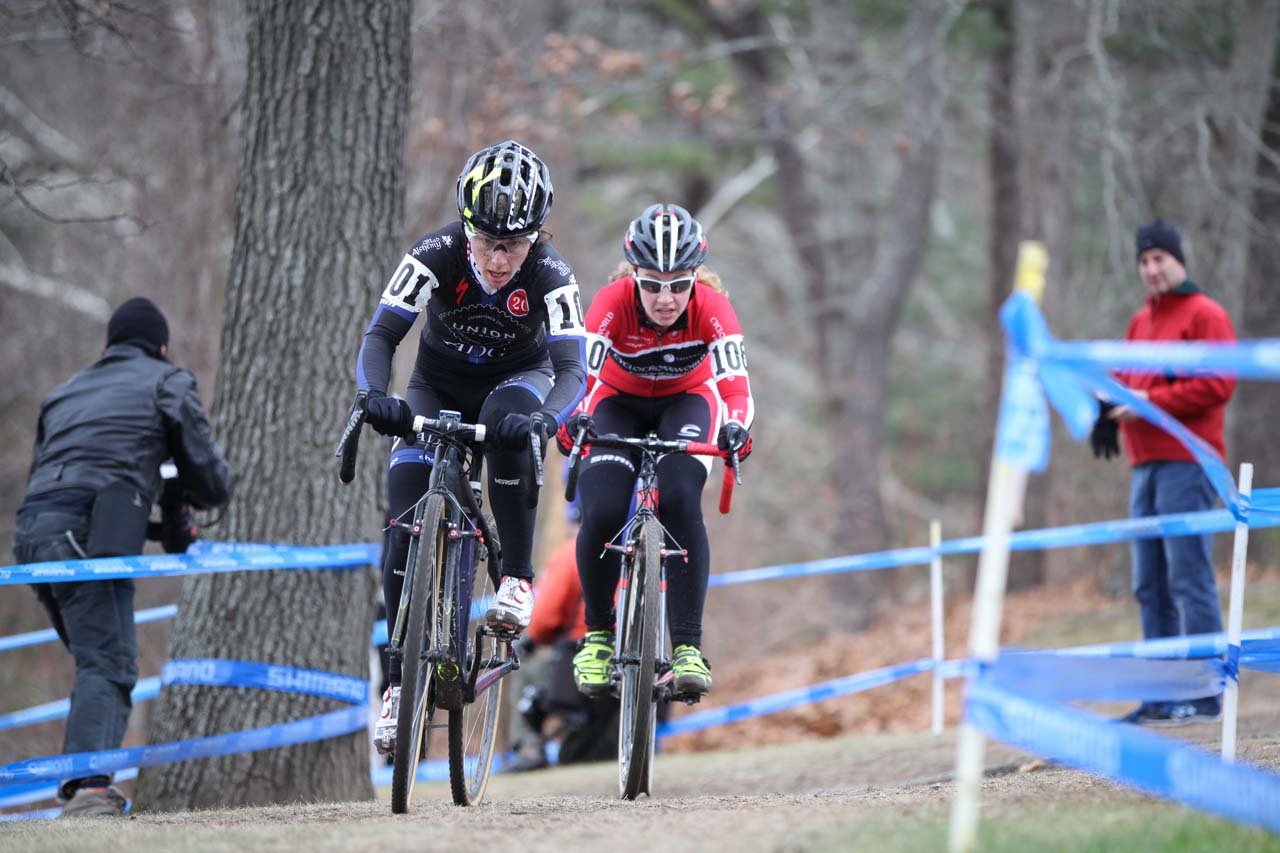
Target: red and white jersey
(704,346)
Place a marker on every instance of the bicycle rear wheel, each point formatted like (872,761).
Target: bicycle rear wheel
(417,699)
(638,632)
(473,727)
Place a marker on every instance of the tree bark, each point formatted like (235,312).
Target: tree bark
(320,205)
(1006,210)
(860,391)
(1236,119)
(1259,402)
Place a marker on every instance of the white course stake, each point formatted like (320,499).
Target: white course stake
(1005,489)
(1235,617)
(935,599)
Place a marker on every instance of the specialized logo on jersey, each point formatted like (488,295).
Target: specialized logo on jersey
(461,290)
(690,431)
(518,303)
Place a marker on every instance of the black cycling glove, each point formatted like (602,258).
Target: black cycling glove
(512,432)
(389,415)
(734,436)
(1105,438)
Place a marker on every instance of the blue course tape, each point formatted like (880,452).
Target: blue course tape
(1191,646)
(1096,533)
(1072,374)
(791,698)
(228,673)
(34,792)
(145,689)
(78,764)
(217,673)
(1126,754)
(48,635)
(42,814)
(1046,675)
(232,559)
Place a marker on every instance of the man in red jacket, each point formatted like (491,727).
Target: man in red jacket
(1172,577)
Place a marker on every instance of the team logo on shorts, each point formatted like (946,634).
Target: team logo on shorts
(518,303)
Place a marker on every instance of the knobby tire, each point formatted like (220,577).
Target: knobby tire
(473,728)
(417,703)
(639,632)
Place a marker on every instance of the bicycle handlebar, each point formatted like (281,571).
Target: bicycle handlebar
(659,446)
(349,444)
(449,428)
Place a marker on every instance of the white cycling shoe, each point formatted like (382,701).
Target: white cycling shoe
(512,606)
(384,732)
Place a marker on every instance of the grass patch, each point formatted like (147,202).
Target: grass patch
(1143,825)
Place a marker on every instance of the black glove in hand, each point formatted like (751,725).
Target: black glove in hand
(389,416)
(512,432)
(1105,438)
(569,432)
(734,436)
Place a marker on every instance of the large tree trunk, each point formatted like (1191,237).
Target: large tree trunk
(860,386)
(860,374)
(1258,403)
(1006,211)
(1048,138)
(320,205)
(1235,120)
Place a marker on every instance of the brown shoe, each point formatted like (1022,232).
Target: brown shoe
(105,801)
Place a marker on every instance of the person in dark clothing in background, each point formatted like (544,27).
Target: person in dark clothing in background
(1172,577)
(95,473)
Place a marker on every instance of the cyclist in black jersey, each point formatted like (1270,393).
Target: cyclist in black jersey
(503,344)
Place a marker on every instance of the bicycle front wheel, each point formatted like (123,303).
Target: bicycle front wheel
(417,696)
(473,727)
(638,632)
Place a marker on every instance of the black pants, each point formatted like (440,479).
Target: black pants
(95,621)
(606,486)
(510,474)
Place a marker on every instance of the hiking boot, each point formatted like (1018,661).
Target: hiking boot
(95,801)
(512,606)
(692,672)
(384,731)
(593,663)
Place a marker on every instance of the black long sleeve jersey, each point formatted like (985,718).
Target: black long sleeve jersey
(471,334)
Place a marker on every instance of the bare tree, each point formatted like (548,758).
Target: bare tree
(318,213)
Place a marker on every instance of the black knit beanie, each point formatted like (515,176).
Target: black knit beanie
(140,321)
(1159,234)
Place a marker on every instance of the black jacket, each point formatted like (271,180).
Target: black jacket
(117,420)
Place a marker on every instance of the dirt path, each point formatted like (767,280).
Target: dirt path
(781,797)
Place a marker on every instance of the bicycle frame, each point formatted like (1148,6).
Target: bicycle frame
(642,673)
(455,463)
(434,614)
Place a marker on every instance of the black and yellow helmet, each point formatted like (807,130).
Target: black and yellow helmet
(504,190)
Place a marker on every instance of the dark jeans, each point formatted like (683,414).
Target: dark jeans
(95,621)
(1173,577)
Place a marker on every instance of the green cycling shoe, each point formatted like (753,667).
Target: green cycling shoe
(692,672)
(593,663)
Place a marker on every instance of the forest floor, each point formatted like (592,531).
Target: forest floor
(859,771)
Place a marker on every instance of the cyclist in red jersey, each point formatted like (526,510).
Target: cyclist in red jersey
(664,353)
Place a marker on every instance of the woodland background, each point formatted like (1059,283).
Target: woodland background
(865,170)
